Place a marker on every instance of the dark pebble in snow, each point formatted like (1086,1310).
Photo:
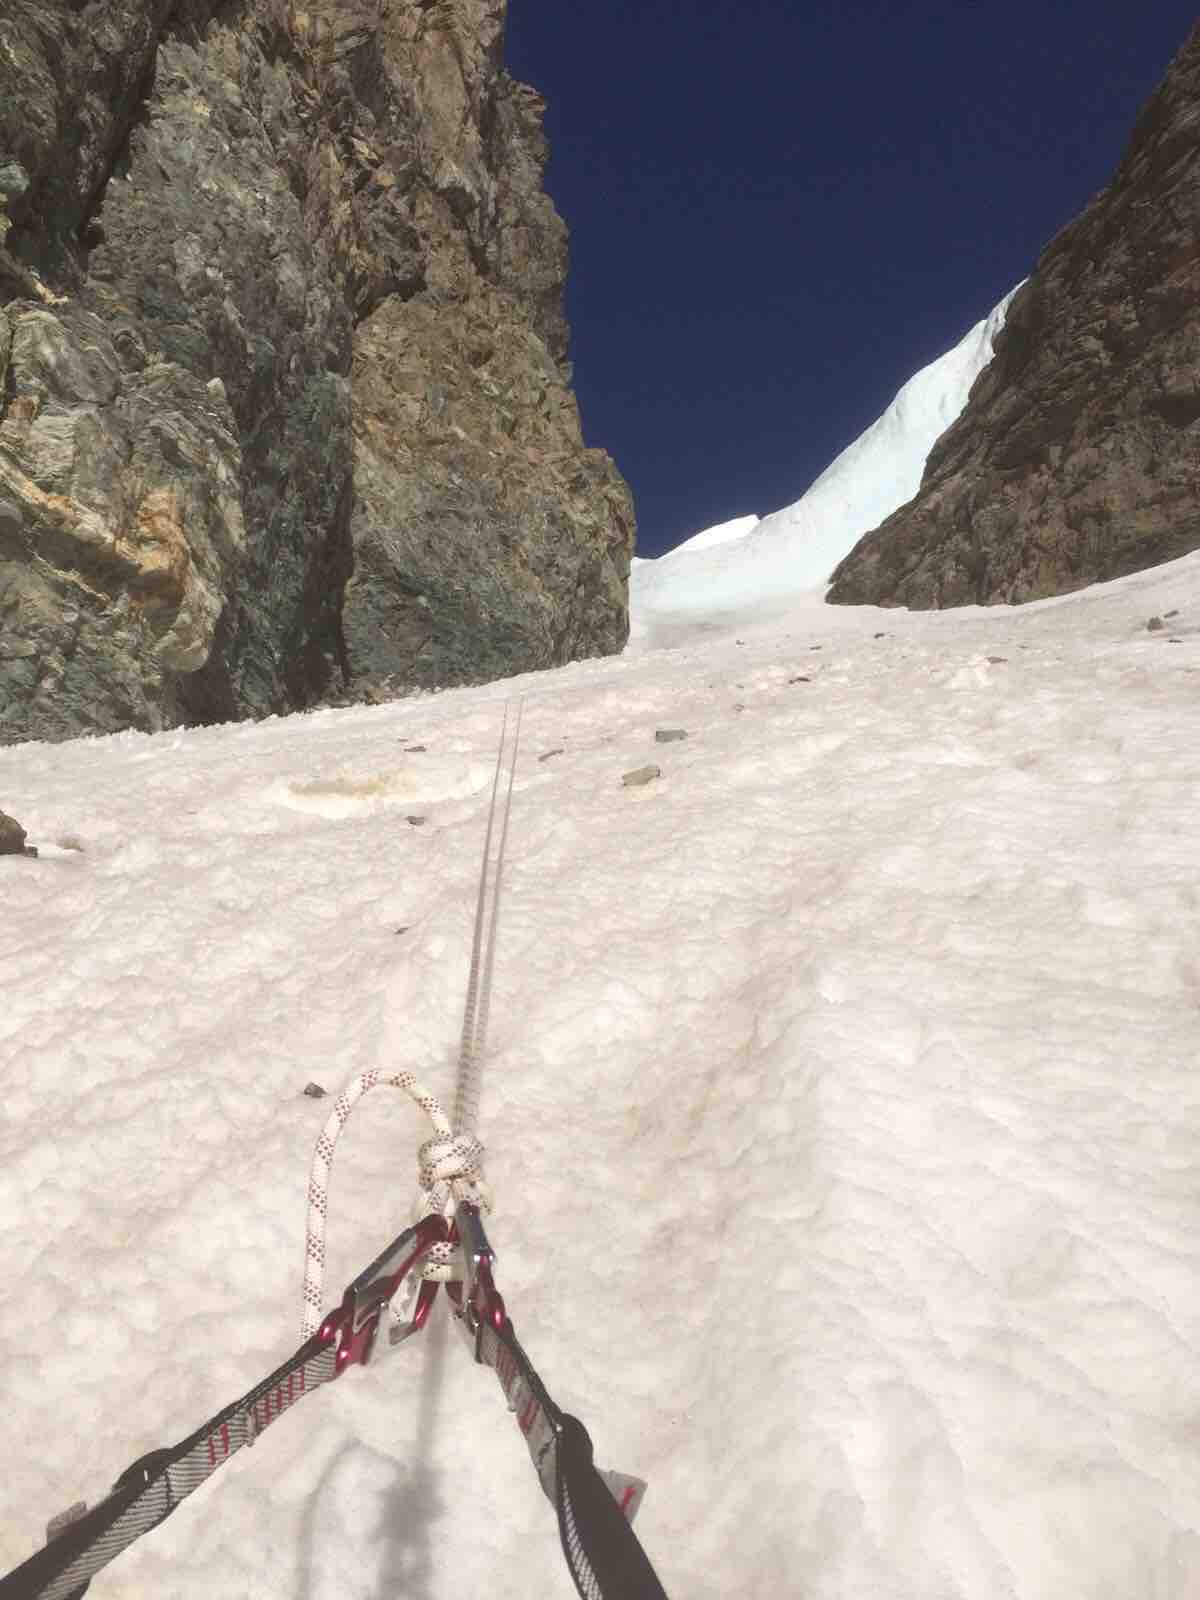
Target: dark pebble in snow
(640,776)
(314,1091)
(669,735)
(12,836)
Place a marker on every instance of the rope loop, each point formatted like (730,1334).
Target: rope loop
(450,1169)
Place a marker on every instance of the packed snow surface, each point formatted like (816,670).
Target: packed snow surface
(761,562)
(841,1111)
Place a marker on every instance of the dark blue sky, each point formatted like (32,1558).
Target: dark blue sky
(779,210)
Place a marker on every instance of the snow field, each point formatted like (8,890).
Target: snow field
(840,1107)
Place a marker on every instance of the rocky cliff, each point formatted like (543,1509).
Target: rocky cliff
(1077,457)
(285,410)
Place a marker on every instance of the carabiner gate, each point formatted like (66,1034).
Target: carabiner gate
(356,1321)
(481,1303)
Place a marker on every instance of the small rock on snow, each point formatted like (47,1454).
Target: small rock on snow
(640,776)
(12,837)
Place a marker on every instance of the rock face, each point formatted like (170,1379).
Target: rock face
(1077,458)
(12,836)
(285,411)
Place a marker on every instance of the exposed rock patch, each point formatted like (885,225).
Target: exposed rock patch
(12,836)
(279,283)
(1076,457)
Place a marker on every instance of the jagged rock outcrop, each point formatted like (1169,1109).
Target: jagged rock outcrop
(1077,456)
(284,401)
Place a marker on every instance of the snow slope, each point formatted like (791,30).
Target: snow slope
(842,1113)
(720,533)
(757,564)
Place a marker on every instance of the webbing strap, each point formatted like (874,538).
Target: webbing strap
(538,1418)
(148,1491)
(604,1554)
(595,1510)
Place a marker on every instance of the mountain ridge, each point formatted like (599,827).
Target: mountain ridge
(1075,459)
(760,561)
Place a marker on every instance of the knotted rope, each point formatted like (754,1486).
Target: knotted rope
(450,1164)
(449,1170)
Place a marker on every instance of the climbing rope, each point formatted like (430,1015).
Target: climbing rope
(446,1245)
(450,1165)
(450,1170)
(475,1012)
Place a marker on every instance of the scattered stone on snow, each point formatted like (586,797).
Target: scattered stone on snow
(997,661)
(669,735)
(414,749)
(800,678)
(547,754)
(816,647)
(879,636)
(1174,613)
(641,776)
(405,928)
(1155,624)
(417,822)
(12,837)
(314,1091)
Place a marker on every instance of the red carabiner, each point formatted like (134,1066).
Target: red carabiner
(355,1323)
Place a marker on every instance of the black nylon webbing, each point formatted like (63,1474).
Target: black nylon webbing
(604,1555)
(147,1492)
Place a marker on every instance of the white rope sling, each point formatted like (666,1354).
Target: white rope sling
(450,1164)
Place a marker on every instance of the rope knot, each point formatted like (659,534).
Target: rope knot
(450,1168)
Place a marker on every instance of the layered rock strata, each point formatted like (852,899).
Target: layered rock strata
(1077,458)
(285,411)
